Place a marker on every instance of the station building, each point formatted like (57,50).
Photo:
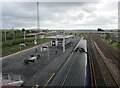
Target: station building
(61,40)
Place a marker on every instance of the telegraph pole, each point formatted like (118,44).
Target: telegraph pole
(35,41)
(38,16)
(38,27)
(48,52)
(63,41)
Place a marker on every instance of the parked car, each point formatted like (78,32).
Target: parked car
(31,59)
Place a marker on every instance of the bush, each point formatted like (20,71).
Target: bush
(12,46)
(118,45)
(10,43)
(15,42)
(26,61)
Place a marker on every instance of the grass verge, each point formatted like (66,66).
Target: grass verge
(114,44)
(13,46)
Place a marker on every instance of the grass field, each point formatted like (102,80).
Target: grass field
(12,46)
(113,44)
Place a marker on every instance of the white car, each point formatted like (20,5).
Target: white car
(32,59)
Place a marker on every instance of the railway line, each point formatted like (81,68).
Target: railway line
(95,72)
(110,59)
(106,78)
(109,51)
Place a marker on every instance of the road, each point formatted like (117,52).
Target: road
(41,69)
(74,70)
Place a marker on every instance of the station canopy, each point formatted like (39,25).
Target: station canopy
(60,36)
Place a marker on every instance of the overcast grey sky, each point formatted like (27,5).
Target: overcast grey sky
(69,15)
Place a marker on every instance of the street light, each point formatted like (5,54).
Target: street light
(24,35)
(21,44)
(23,30)
(35,41)
(48,52)
(63,41)
(56,42)
(46,48)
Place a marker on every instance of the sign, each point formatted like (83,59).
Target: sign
(22,44)
(44,48)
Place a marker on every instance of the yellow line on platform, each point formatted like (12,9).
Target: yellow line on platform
(49,80)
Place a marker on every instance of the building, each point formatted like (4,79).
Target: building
(58,40)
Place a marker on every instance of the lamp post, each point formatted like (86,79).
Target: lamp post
(56,42)
(38,27)
(35,41)
(24,35)
(23,30)
(21,44)
(48,52)
(63,42)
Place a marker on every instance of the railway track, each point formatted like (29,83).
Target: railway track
(110,59)
(95,72)
(96,57)
(109,52)
(107,75)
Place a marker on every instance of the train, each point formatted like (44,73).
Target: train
(82,49)
(75,70)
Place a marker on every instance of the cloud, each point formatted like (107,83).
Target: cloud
(59,14)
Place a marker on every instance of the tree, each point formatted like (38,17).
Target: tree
(44,30)
(13,33)
(23,29)
(99,29)
(27,31)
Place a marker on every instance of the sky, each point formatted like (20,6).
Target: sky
(58,15)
